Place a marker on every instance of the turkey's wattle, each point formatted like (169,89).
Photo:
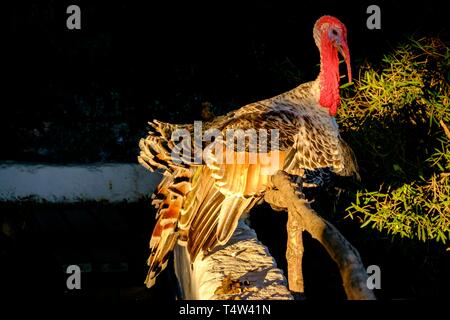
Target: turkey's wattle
(199,205)
(331,37)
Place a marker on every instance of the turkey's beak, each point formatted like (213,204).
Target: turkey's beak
(343,49)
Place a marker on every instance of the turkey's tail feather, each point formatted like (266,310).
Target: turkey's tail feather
(197,206)
(158,148)
(168,199)
(156,153)
(211,216)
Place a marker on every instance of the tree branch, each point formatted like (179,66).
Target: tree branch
(353,273)
(294,254)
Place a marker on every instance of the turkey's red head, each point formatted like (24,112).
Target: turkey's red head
(330,35)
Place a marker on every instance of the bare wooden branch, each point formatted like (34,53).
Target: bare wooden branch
(294,253)
(353,273)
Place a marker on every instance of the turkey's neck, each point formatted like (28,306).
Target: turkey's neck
(329,77)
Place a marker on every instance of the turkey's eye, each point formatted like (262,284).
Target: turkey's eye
(334,32)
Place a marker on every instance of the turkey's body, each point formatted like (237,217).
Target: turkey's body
(199,204)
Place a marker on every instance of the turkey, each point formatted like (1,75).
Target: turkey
(199,203)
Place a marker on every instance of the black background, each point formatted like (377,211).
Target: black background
(85,95)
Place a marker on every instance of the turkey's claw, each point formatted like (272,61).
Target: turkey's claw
(297,185)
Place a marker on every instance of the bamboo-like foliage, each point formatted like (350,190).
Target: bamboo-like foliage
(397,118)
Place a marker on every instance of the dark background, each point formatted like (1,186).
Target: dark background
(86,95)
(82,96)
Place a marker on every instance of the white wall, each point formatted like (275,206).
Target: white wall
(71,183)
